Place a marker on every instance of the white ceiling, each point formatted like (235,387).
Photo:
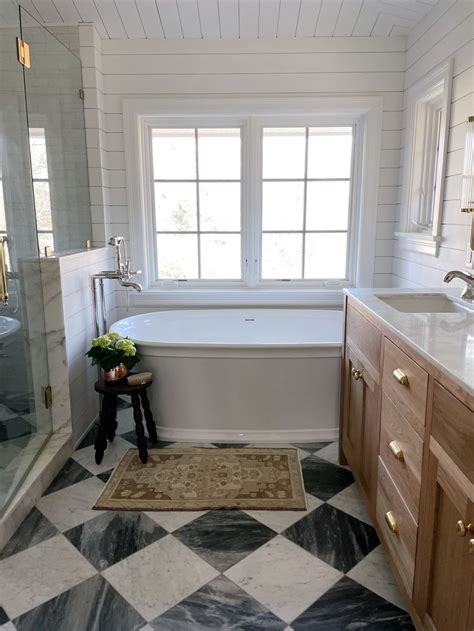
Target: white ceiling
(226,19)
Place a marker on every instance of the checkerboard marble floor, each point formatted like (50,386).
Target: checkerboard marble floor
(69,568)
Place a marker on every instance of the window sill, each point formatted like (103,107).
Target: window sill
(238,298)
(418,242)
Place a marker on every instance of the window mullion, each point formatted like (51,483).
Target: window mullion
(198,218)
(305,189)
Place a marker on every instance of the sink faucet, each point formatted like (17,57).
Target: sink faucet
(468,292)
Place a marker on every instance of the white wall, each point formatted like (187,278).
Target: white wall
(118,69)
(445,32)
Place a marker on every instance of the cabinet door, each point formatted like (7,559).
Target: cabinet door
(445,563)
(361,422)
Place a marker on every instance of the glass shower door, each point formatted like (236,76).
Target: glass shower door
(25,419)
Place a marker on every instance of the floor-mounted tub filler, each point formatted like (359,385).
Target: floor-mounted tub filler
(241,374)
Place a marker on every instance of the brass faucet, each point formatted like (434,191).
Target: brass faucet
(468,292)
(3,272)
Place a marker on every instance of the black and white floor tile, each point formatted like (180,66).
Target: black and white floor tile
(70,568)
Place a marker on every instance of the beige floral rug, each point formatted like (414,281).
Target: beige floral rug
(202,478)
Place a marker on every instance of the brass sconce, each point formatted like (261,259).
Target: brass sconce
(467,194)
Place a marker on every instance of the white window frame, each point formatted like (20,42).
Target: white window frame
(141,115)
(425,161)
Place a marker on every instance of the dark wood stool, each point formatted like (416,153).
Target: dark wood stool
(110,390)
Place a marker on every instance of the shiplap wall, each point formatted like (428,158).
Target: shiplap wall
(446,32)
(114,70)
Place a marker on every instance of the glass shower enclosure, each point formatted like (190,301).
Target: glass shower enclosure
(44,209)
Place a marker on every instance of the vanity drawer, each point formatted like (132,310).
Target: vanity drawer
(400,536)
(401,451)
(406,384)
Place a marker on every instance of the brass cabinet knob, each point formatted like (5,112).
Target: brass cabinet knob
(396,450)
(462,528)
(356,374)
(471,546)
(391,522)
(400,376)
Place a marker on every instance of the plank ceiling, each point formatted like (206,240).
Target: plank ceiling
(230,19)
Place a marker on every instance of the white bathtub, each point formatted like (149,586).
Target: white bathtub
(242,375)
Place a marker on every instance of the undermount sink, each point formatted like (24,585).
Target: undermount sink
(8,326)
(425,303)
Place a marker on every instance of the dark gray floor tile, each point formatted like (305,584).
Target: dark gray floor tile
(218,605)
(324,479)
(34,529)
(93,605)
(113,536)
(230,445)
(71,473)
(313,446)
(348,606)
(224,537)
(3,616)
(105,475)
(334,537)
(14,428)
(89,438)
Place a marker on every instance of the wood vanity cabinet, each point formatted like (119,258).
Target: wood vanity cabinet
(407,432)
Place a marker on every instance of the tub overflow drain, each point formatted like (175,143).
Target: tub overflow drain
(249,319)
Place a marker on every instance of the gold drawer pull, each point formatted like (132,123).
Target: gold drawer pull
(462,528)
(400,376)
(471,546)
(356,374)
(391,523)
(396,450)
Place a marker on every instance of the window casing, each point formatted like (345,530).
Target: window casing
(285,210)
(251,114)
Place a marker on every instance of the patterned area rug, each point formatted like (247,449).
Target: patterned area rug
(200,479)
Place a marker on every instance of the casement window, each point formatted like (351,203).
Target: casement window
(227,196)
(206,225)
(41,188)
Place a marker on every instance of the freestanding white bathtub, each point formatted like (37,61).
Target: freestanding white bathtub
(241,375)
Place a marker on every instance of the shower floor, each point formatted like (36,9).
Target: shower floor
(69,567)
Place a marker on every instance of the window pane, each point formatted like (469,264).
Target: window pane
(283,153)
(327,205)
(219,206)
(219,154)
(281,255)
(220,256)
(329,152)
(176,207)
(45,239)
(177,256)
(42,205)
(39,163)
(283,205)
(174,154)
(325,255)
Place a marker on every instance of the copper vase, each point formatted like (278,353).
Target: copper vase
(116,374)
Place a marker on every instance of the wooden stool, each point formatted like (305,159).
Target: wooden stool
(110,390)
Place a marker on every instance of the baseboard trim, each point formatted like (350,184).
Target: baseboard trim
(246,435)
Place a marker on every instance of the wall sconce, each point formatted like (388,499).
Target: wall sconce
(467,194)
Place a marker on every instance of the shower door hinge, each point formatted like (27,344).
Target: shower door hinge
(47,397)
(81,93)
(23,52)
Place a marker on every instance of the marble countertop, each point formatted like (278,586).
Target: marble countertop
(444,339)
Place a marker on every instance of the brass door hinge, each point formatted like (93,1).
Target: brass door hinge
(81,93)
(23,52)
(47,397)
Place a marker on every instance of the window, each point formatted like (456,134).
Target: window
(299,224)
(252,200)
(197,203)
(427,113)
(41,188)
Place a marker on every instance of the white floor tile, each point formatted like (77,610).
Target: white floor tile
(39,573)
(159,576)
(301,452)
(374,573)
(330,453)
(112,456)
(281,520)
(172,520)
(350,501)
(283,577)
(72,506)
